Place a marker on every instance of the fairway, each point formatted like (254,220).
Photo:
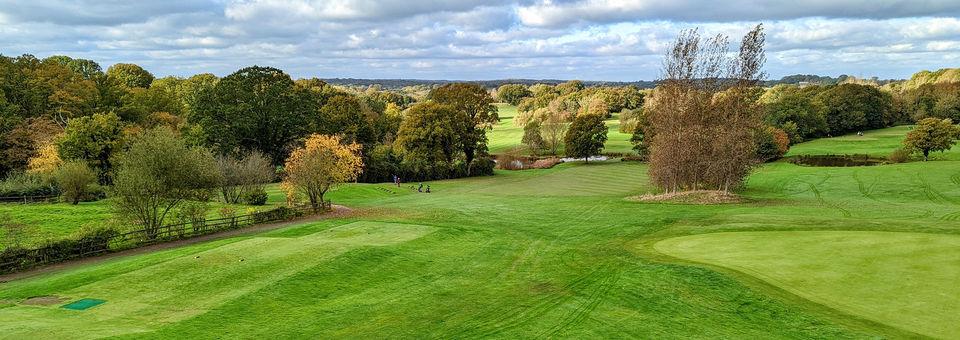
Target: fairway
(187,285)
(908,280)
(556,252)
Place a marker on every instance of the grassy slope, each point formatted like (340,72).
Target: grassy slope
(860,272)
(554,252)
(506,135)
(58,220)
(879,143)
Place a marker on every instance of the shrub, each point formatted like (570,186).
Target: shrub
(545,163)
(88,242)
(280,213)
(482,166)
(900,155)
(95,240)
(772,143)
(242,176)
(230,213)
(75,179)
(193,212)
(256,196)
(25,184)
(510,160)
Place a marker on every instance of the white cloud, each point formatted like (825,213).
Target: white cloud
(473,39)
(550,13)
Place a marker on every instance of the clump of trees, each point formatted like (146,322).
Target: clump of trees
(549,110)
(512,93)
(585,137)
(62,109)
(445,136)
(253,109)
(704,114)
(928,96)
(474,115)
(93,139)
(819,111)
(931,135)
(157,174)
(322,163)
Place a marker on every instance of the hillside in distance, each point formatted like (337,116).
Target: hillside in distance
(643,84)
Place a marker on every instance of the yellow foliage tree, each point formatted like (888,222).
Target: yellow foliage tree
(322,163)
(47,160)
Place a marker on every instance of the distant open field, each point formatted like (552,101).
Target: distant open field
(878,143)
(858,252)
(506,135)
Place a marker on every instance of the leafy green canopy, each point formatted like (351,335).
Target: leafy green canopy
(255,108)
(475,115)
(94,139)
(932,134)
(158,173)
(586,136)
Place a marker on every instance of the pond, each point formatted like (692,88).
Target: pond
(836,160)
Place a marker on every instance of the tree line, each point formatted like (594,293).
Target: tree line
(162,147)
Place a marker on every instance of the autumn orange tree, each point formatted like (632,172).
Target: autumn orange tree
(322,163)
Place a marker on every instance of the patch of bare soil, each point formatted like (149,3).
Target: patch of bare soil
(48,300)
(692,197)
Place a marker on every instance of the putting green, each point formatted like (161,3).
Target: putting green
(192,284)
(905,280)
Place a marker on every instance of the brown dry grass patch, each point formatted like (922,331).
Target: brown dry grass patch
(692,197)
(48,300)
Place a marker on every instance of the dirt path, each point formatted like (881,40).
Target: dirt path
(338,211)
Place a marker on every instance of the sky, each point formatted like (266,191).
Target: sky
(614,40)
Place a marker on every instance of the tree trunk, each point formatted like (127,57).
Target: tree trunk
(926,155)
(469,153)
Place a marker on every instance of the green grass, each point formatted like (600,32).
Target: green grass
(52,221)
(506,135)
(541,253)
(908,280)
(878,143)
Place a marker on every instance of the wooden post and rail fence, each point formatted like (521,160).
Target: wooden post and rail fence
(98,242)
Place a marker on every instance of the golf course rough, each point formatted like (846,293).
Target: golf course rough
(907,280)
